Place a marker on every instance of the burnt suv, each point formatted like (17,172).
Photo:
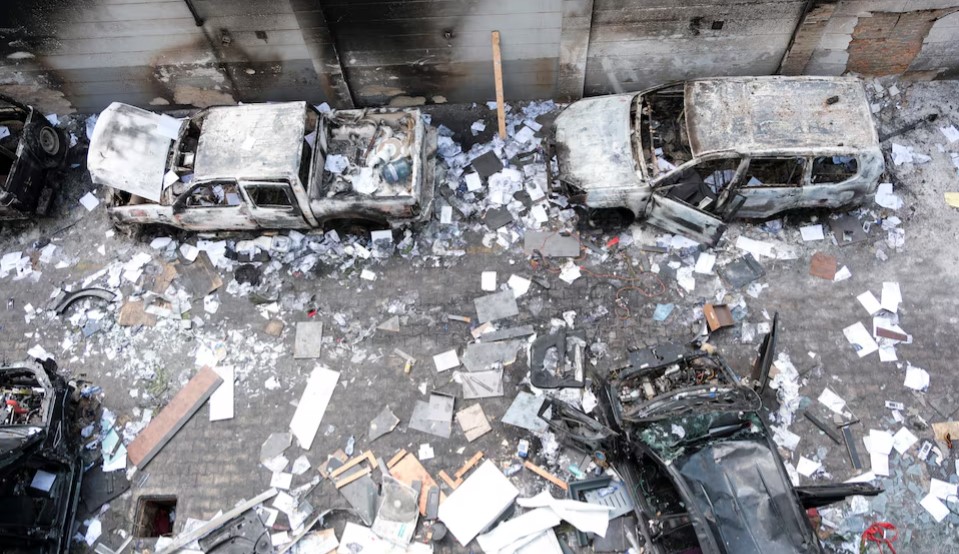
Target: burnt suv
(40,463)
(686,435)
(30,148)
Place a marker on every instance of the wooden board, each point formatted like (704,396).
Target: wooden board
(173,416)
(409,469)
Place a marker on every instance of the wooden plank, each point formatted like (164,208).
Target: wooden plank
(396,458)
(469,464)
(174,415)
(449,480)
(353,477)
(367,456)
(546,475)
(498,76)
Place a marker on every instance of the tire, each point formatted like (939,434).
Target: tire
(49,145)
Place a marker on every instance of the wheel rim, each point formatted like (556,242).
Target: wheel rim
(49,141)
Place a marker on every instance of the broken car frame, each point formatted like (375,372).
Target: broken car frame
(30,148)
(688,157)
(264,166)
(687,437)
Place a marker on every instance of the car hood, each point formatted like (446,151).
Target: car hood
(593,143)
(745,498)
(129,150)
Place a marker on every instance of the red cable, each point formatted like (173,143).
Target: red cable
(877,533)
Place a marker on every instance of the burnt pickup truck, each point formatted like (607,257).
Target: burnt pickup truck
(30,148)
(689,157)
(264,166)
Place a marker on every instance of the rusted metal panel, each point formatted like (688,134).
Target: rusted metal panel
(751,114)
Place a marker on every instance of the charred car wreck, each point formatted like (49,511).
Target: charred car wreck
(687,438)
(40,460)
(30,148)
(689,157)
(264,166)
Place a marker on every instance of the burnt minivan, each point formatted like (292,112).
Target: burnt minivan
(689,157)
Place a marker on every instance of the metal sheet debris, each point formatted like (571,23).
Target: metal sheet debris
(523,412)
(493,307)
(487,355)
(420,420)
(481,384)
(551,244)
(382,424)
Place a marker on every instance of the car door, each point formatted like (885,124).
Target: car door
(212,206)
(693,200)
(772,184)
(833,181)
(273,205)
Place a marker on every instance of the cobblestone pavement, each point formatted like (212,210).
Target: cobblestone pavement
(210,466)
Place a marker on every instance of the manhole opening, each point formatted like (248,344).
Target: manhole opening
(155,516)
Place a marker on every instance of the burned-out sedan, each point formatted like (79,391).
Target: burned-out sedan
(689,157)
(40,460)
(686,435)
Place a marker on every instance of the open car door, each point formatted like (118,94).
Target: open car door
(696,201)
(759,376)
(682,219)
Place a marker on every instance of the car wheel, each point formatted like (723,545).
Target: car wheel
(51,146)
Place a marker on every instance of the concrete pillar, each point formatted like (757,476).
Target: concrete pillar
(573,47)
(322,48)
(806,38)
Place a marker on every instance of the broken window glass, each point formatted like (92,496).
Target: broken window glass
(834,169)
(270,196)
(213,195)
(700,185)
(663,129)
(774,172)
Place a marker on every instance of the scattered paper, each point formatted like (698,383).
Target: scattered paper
(886,198)
(488,281)
(221,401)
(951,133)
(944,489)
(903,439)
(446,360)
(570,272)
(705,263)
(89,201)
(868,301)
(588,518)
(832,401)
(807,467)
(312,406)
(812,232)
(860,339)
(916,378)
(891,296)
(935,507)
(520,285)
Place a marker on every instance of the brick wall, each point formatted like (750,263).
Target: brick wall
(886,43)
(806,40)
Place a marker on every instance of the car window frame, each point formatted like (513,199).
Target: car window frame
(281,184)
(182,201)
(856,175)
(803,179)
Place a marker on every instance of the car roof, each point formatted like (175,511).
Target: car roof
(251,141)
(751,506)
(792,114)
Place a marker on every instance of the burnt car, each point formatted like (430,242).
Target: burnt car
(30,149)
(40,460)
(688,157)
(687,437)
(283,165)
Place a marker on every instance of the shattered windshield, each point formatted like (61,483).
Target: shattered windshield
(673,437)
(662,128)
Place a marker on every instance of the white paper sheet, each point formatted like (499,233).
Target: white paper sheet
(588,518)
(859,337)
(891,296)
(506,533)
(488,281)
(807,467)
(812,232)
(478,502)
(916,378)
(312,406)
(935,507)
(446,360)
(832,401)
(705,263)
(221,401)
(903,439)
(520,285)
(868,301)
